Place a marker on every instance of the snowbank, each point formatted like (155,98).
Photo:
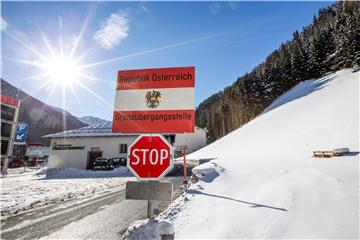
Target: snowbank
(149,229)
(272,186)
(207,172)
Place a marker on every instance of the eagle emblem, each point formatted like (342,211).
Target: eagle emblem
(153,99)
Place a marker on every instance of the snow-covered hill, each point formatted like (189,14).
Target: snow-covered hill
(272,187)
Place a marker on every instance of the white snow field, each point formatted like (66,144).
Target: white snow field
(20,192)
(264,182)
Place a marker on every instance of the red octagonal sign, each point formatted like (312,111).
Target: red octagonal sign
(150,157)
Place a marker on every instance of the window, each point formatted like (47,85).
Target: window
(170,138)
(123,148)
(6,129)
(4,147)
(7,113)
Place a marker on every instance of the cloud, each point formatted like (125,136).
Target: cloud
(113,30)
(4,24)
(233,5)
(143,7)
(215,8)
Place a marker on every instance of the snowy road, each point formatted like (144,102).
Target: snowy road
(105,216)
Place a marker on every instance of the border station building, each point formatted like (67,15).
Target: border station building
(79,148)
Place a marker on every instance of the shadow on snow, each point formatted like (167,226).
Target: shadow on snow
(253,205)
(302,89)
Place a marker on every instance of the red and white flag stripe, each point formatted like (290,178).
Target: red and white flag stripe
(171,99)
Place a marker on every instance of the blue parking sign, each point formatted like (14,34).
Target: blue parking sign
(20,133)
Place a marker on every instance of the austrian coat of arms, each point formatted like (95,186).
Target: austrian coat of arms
(153,99)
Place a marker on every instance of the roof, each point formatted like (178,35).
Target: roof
(96,130)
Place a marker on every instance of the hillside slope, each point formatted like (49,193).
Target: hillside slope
(271,186)
(42,118)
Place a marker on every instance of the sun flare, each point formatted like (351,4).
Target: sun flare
(61,71)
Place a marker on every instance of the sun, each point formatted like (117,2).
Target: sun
(59,64)
(62,72)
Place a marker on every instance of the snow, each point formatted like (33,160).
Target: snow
(32,189)
(162,224)
(207,172)
(263,181)
(148,229)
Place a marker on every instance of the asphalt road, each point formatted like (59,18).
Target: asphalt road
(106,216)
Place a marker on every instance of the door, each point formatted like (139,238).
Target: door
(91,158)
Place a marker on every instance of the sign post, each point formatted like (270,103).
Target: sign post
(153,102)
(150,158)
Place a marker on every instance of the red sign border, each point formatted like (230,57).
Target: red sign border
(155,84)
(171,157)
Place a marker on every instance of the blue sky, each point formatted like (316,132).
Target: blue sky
(223,40)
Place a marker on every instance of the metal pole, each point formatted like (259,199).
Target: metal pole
(149,208)
(149,203)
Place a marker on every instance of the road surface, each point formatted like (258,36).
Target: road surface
(105,216)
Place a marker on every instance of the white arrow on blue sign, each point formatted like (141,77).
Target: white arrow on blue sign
(20,133)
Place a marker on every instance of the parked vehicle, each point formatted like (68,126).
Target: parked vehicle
(115,162)
(356,68)
(118,161)
(103,162)
(123,161)
(109,163)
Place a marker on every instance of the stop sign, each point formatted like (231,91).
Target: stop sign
(150,157)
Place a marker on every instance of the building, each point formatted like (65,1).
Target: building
(37,153)
(29,154)
(80,147)
(9,115)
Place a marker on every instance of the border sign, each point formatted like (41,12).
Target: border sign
(159,100)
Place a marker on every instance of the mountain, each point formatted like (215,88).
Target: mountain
(263,181)
(43,119)
(331,42)
(90,120)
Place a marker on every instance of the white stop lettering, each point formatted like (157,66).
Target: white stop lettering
(154,160)
(154,156)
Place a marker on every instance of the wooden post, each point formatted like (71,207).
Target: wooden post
(185,173)
(167,237)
